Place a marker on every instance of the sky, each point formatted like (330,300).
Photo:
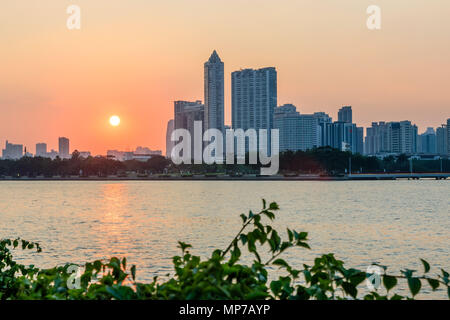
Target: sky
(133,58)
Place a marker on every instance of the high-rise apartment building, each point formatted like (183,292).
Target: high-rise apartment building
(403,137)
(41,149)
(254,99)
(214,93)
(377,138)
(392,137)
(296,131)
(64,149)
(345,114)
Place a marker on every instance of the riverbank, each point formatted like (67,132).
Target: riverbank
(221,177)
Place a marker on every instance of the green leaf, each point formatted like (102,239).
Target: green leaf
(274,206)
(426,265)
(303,244)
(434,284)
(133,272)
(243,239)
(290,235)
(281,263)
(275,286)
(389,282)
(350,289)
(414,285)
(183,246)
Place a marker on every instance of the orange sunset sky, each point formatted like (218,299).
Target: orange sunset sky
(133,58)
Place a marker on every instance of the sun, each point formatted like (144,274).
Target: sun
(114,121)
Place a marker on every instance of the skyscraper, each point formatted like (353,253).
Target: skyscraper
(345,114)
(169,142)
(64,150)
(214,93)
(41,149)
(254,99)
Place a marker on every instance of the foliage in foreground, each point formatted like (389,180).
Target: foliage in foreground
(222,276)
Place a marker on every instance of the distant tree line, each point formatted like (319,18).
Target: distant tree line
(324,160)
(76,165)
(333,161)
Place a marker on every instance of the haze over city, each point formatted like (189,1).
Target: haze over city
(135,59)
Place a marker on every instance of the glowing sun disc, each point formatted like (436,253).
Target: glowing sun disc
(114,121)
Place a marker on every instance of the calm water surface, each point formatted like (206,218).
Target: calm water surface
(390,222)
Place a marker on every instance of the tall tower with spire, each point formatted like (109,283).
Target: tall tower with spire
(214,93)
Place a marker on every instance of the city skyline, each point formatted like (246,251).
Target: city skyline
(255,106)
(75,80)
